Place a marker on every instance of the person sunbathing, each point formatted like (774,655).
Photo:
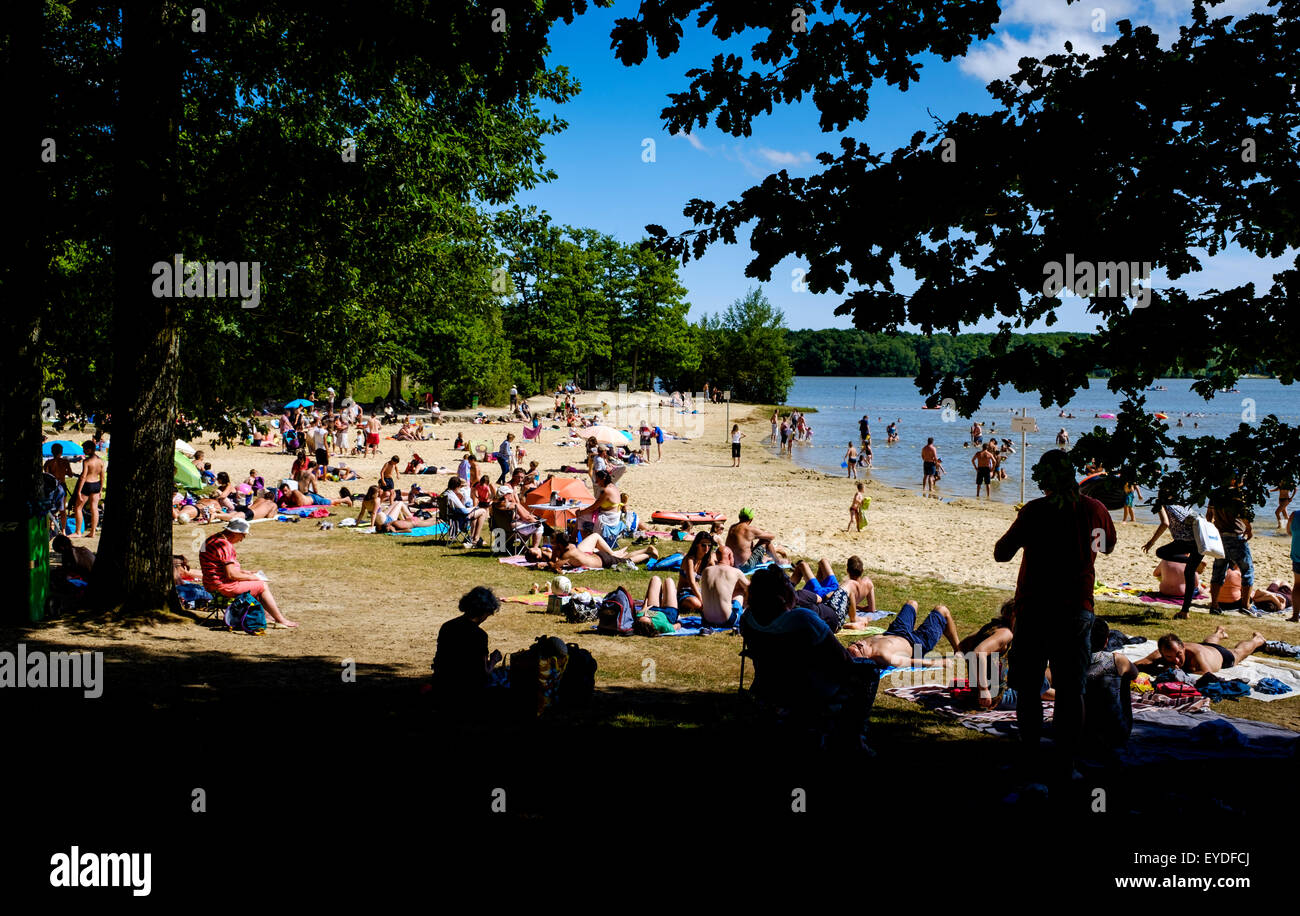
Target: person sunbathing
(593,552)
(404,434)
(904,644)
(396,517)
(1201,658)
(260,507)
(723,589)
(658,614)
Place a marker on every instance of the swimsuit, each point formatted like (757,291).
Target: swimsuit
(90,489)
(1229,659)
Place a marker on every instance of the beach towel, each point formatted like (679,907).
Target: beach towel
(423,532)
(305,511)
(1165,599)
(527,564)
(540,599)
(1252,671)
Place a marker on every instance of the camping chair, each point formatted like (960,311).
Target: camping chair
(788,699)
(457,531)
(511,542)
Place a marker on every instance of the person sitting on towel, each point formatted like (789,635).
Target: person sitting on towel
(723,588)
(1201,657)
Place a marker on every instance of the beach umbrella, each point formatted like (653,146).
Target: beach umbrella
(606,435)
(301,402)
(69,448)
(187,476)
(184,447)
(346,402)
(569,488)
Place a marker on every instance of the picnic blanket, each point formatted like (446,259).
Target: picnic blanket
(1252,670)
(541,599)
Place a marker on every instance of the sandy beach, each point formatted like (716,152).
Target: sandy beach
(950,538)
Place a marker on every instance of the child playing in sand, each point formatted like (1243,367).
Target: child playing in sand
(855,509)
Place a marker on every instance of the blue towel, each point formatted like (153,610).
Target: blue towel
(426,531)
(300,511)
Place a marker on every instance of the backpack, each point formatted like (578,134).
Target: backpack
(246,615)
(615,617)
(579,681)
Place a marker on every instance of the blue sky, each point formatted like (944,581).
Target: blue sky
(604,183)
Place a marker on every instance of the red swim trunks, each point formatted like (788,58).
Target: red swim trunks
(372,438)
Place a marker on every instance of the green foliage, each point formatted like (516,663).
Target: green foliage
(744,350)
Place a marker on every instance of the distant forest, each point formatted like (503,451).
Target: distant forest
(836,351)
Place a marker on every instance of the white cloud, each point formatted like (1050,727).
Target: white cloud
(783,157)
(1035,28)
(694,141)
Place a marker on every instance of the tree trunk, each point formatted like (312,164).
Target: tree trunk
(133,568)
(24,267)
(395,384)
(636,355)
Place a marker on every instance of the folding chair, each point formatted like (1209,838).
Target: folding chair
(457,531)
(510,542)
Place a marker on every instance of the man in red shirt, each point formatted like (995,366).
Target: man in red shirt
(222,575)
(1061,534)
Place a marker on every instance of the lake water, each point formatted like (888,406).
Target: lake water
(841,403)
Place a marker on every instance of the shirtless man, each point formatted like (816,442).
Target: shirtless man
(862,595)
(750,546)
(90,486)
(388,479)
(929,466)
(984,461)
(905,645)
(593,551)
(372,436)
(976,433)
(60,469)
(723,589)
(1201,657)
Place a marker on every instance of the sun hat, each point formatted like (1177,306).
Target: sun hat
(237,526)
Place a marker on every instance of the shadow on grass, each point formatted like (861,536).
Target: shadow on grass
(250,726)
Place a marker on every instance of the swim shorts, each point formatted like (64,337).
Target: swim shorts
(931,469)
(983,475)
(372,438)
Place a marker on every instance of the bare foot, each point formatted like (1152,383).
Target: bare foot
(1258,635)
(653,551)
(1181,615)
(1220,632)
(286,622)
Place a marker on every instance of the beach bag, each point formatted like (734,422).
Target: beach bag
(246,615)
(584,610)
(615,616)
(1208,541)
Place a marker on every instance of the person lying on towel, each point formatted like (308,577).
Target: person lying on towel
(1201,657)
